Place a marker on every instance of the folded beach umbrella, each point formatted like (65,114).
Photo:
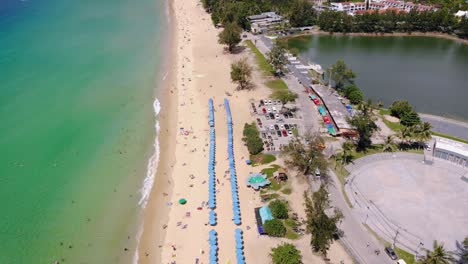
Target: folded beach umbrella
(237,221)
(238,231)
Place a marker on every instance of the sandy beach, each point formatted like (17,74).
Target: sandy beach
(175,233)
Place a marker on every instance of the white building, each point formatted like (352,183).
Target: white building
(264,21)
(348,7)
(453,151)
(377,5)
(461,14)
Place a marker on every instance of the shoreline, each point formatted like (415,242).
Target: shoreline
(156,214)
(395,34)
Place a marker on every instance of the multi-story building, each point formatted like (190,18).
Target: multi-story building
(264,21)
(379,5)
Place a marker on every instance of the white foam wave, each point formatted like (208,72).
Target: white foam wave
(151,169)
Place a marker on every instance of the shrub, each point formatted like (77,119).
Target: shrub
(399,108)
(286,254)
(252,139)
(354,94)
(279,209)
(274,228)
(410,119)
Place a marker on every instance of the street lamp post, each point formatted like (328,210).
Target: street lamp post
(395,238)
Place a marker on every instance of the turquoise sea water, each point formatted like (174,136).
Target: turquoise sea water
(77,85)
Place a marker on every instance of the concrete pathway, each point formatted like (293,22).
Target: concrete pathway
(446,125)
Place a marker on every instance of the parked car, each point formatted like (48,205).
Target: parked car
(391,253)
(272,116)
(277,116)
(276,127)
(317,172)
(267,116)
(290,132)
(278,133)
(281,126)
(268,102)
(264,110)
(269,110)
(262,103)
(285,133)
(272,127)
(286,126)
(274,109)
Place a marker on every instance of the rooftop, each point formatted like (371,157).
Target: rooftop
(452,146)
(334,105)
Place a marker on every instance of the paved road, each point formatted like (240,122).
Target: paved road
(447,126)
(356,238)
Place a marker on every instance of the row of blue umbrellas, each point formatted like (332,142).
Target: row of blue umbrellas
(232,167)
(239,246)
(211,112)
(211,163)
(213,241)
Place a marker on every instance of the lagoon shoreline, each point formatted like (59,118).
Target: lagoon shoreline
(395,34)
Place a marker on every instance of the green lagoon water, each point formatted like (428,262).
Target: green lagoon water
(77,126)
(431,73)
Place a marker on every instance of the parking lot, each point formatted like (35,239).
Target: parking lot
(277,123)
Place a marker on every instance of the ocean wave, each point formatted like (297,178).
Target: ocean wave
(148,182)
(152,162)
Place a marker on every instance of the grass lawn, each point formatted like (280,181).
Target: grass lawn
(289,224)
(342,174)
(261,60)
(261,159)
(274,186)
(449,137)
(276,84)
(395,126)
(265,66)
(384,111)
(287,191)
(406,256)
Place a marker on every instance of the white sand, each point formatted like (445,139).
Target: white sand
(203,71)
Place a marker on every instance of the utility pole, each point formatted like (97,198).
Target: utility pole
(396,235)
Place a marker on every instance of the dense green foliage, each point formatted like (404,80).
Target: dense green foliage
(286,254)
(354,94)
(277,58)
(230,36)
(306,154)
(302,13)
(341,74)
(252,139)
(274,228)
(387,22)
(322,227)
(399,108)
(410,119)
(365,126)
(279,209)
(285,96)
(438,255)
(241,73)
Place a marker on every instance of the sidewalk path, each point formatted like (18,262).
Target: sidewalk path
(446,125)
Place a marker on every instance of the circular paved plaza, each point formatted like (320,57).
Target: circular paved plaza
(419,201)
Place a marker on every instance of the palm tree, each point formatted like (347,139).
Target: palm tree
(437,256)
(388,145)
(423,131)
(405,134)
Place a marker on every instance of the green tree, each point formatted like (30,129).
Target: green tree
(321,226)
(354,94)
(279,209)
(241,73)
(345,154)
(410,119)
(230,36)
(306,155)
(341,74)
(302,13)
(277,58)
(274,228)
(284,96)
(438,255)
(399,108)
(365,126)
(422,131)
(462,252)
(286,254)
(389,144)
(252,139)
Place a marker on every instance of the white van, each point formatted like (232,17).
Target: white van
(400,261)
